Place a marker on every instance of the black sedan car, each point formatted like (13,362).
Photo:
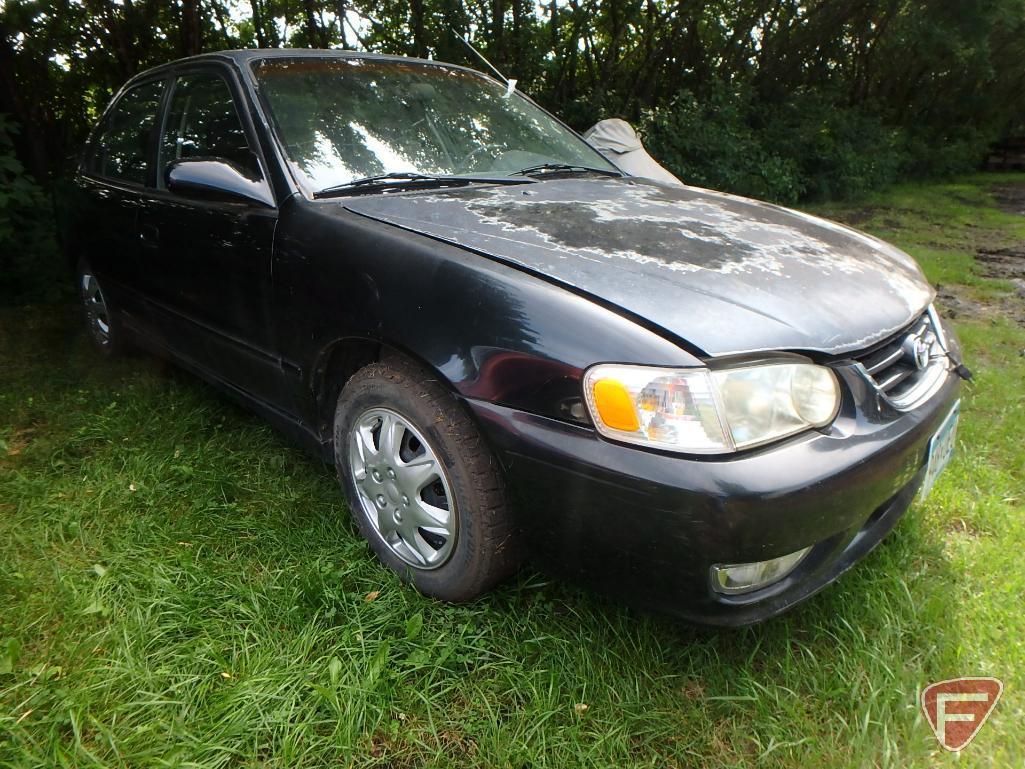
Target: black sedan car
(506,346)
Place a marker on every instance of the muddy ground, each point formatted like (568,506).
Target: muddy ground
(1005,263)
(1010,197)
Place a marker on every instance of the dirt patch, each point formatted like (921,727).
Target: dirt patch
(1009,197)
(954,303)
(957,303)
(855,217)
(1006,264)
(970,202)
(999,261)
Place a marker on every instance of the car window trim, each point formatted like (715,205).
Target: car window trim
(94,136)
(242,110)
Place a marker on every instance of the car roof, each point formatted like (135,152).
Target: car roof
(243,56)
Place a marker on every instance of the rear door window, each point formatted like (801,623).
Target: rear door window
(121,150)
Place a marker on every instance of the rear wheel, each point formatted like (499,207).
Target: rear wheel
(104,332)
(421,484)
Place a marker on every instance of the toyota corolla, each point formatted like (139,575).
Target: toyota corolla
(506,346)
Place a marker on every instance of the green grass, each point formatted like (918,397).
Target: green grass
(181,587)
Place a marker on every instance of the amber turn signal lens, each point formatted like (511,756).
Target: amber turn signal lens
(615,406)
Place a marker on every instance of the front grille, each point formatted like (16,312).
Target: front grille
(891,367)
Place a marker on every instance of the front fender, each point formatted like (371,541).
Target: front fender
(490,331)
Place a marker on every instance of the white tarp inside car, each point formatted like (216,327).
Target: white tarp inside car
(617,141)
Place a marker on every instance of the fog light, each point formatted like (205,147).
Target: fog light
(737,578)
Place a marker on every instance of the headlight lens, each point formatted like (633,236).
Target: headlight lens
(709,412)
(671,409)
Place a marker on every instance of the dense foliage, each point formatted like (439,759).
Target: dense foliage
(783,99)
(777,98)
(29,263)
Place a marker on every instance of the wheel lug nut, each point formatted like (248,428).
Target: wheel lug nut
(381,500)
(405,500)
(377,476)
(391,473)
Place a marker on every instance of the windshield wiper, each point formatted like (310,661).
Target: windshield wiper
(402,179)
(548,168)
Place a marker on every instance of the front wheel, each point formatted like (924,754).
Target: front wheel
(421,484)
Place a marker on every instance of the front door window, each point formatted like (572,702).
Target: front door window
(202,122)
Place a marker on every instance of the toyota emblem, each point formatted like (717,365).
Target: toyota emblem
(916,351)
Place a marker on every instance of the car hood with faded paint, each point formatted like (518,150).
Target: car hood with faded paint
(724,273)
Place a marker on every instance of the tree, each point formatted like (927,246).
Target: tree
(931,78)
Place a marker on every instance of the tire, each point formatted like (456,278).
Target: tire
(474,546)
(105,332)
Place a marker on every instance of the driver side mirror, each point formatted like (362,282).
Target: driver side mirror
(216,179)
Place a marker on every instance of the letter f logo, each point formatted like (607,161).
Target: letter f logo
(957,709)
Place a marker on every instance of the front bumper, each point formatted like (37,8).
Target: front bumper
(646,527)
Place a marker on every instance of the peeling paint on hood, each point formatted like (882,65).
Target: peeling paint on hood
(724,273)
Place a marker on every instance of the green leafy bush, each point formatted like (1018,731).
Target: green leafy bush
(711,143)
(30,266)
(809,147)
(840,152)
(929,154)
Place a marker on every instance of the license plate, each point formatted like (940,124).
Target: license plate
(941,449)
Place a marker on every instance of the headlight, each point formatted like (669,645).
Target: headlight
(709,412)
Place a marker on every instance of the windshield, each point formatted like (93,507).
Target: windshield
(343,119)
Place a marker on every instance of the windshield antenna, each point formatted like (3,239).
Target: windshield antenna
(510,84)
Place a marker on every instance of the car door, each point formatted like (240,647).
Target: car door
(110,188)
(206,262)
